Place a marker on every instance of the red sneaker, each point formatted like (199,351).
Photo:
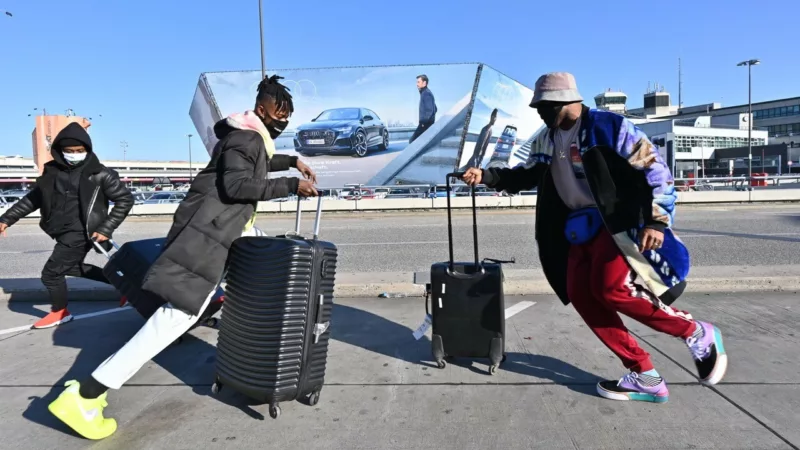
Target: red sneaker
(53,319)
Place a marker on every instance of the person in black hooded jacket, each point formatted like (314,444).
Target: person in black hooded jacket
(72,194)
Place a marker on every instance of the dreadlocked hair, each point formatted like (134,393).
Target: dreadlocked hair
(271,88)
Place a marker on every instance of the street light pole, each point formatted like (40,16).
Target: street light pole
(261,35)
(124,146)
(750,63)
(190,158)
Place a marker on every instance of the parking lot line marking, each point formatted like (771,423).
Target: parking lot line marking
(519,307)
(510,312)
(78,317)
(15,330)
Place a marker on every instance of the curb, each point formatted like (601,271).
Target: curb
(394,289)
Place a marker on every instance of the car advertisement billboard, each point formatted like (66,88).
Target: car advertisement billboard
(357,125)
(501,123)
(204,115)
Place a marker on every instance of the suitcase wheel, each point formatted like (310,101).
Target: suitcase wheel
(212,322)
(441,364)
(314,398)
(274,411)
(216,387)
(493,369)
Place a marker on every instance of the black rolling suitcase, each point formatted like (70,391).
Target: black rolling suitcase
(468,311)
(273,341)
(126,269)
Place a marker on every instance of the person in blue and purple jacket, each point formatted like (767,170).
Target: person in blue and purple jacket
(604,215)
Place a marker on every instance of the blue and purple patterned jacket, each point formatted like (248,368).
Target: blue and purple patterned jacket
(632,187)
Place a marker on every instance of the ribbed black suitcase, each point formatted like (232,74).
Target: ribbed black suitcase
(126,269)
(273,341)
(467,303)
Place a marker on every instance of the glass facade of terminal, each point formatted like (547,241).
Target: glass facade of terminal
(684,143)
(786,129)
(781,111)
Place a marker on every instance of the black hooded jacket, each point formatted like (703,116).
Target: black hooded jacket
(75,198)
(220,202)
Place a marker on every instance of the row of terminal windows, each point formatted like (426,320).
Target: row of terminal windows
(781,111)
(785,129)
(684,144)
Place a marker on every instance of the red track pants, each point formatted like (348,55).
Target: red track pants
(599,285)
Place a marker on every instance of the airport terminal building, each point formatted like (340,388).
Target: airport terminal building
(709,140)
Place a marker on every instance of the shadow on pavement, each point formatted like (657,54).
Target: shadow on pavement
(192,361)
(31,290)
(547,368)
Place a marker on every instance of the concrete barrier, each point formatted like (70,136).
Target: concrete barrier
(311,205)
(522,201)
(387,204)
(466,202)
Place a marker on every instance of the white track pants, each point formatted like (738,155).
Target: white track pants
(165,326)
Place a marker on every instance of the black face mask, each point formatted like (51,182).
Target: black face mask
(276,127)
(549,114)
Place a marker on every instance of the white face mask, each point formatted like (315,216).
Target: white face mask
(74,158)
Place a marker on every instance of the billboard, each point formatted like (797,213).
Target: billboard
(502,126)
(47,128)
(204,116)
(357,125)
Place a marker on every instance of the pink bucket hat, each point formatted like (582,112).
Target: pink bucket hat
(556,87)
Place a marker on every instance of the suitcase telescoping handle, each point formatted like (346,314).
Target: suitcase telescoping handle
(102,250)
(450,221)
(316,219)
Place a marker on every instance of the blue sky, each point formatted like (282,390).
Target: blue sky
(137,63)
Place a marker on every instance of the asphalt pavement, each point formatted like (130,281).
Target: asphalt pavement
(717,236)
(383,391)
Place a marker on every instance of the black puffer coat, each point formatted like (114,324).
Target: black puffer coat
(98,185)
(220,202)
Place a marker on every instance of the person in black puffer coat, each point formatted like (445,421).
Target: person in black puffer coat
(219,208)
(72,195)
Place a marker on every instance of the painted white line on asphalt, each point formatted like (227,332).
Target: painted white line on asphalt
(510,312)
(102,313)
(519,307)
(79,317)
(15,330)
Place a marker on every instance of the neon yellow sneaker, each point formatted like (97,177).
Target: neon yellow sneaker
(84,415)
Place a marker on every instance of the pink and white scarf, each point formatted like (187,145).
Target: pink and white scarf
(248,120)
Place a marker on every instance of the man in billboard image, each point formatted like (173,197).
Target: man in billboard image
(72,195)
(219,207)
(427,107)
(604,213)
(482,144)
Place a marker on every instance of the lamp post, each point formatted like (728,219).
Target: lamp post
(190,157)
(750,63)
(124,145)
(261,35)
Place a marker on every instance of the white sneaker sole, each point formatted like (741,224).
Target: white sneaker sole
(719,371)
(54,324)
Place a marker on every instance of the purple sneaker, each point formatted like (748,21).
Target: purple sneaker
(635,387)
(708,353)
